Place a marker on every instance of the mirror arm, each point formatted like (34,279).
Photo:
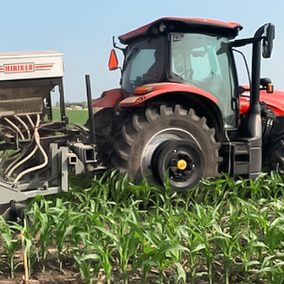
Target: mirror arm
(114,44)
(245,41)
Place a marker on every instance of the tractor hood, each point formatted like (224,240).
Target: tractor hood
(273,101)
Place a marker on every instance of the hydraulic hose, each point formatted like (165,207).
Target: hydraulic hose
(15,127)
(38,145)
(25,126)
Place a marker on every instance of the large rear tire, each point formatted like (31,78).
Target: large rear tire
(167,141)
(275,157)
(273,148)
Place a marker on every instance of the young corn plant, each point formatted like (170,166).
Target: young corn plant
(143,192)
(41,217)
(120,190)
(105,259)
(251,254)
(164,256)
(233,228)
(163,249)
(275,185)
(10,241)
(274,231)
(229,246)
(124,240)
(64,221)
(145,250)
(262,186)
(93,198)
(274,236)
(195,247)
(79,233)
(203,220)
(85,264)
(216,190)
(272,268)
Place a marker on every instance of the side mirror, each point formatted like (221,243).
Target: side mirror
(267,43)
(267,85)
(113,62)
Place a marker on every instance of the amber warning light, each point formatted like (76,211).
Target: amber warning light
(113,62)
(142,90)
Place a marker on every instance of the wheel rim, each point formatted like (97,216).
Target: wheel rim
(176,153)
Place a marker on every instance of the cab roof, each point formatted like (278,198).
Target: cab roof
(176,24)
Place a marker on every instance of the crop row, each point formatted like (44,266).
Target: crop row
(222,231)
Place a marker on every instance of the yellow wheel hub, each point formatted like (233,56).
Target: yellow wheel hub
(181,164)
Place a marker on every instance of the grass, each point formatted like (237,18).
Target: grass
(75,116)
(222,231)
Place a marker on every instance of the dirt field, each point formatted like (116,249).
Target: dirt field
(52,274)
(69,276)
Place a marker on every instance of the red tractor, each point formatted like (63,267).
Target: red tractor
(180,112)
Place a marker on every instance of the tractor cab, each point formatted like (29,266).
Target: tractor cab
(197,60)
(191,52)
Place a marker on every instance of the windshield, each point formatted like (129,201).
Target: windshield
(144,63)
(204,61)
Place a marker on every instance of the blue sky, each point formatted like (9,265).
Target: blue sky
(83,31)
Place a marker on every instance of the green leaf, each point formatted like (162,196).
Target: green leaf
(251,263)
(198,248)
(87,257)
(181,272)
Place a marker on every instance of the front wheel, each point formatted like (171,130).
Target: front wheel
(168,142)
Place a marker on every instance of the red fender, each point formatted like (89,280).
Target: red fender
(149,91)
(109,98)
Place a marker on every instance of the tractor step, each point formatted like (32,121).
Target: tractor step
(244,158)
(240,158)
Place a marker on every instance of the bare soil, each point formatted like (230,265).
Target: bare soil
(52,274)
(70,275)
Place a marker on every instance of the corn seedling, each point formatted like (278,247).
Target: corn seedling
(41,218)
(203,220)
(11,241)
(64,221)
(85,264)
(195,247)
(105,259)
(145,251)
(124,240)
(272,268)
